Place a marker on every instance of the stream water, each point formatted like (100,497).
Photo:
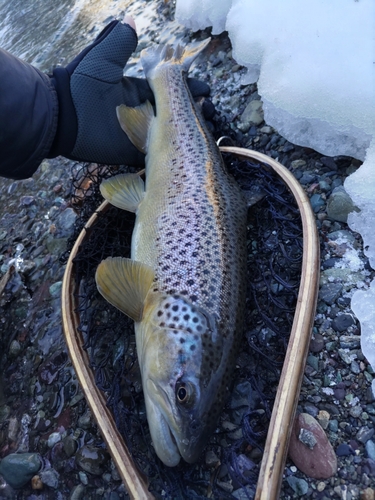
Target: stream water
(47,33)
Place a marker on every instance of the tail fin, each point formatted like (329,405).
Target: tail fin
(155,55)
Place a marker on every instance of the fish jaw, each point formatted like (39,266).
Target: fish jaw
(173,434)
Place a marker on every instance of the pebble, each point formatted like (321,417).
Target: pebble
(91,459)
(330,292)
(53,438)
(368,494)
(339,205)
(36,483)
(319,462)
(316,343)
(317,202)
(370,449)
(345,356)
(323,418)
(342,322)
(350,341)
(65,222)
(364,434)
(50,477)
(252,115)
(17,469)
(344,450)
(298,485)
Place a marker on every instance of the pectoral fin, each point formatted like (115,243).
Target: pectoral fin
(124,283)
(124,191)
(136,122)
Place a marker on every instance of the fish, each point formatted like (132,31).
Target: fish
(185,282)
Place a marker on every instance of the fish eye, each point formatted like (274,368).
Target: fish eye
(185,393)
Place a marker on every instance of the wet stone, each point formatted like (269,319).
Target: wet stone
(320,462)
(370,449)
(50,477)
(355,411)
(317,343)
(70,446)
(364,434)
(339,205)
(17,469)
(91,459)
(311,410)
(313,361)
(342,322)
(53,438)
(350,341)
(298,485)
(330,292)
(317,202)
(345,356)
(344,450)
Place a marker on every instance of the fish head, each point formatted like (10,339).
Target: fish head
(184,379)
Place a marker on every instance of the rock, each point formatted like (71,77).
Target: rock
(345,356)
(91,459)
(339,205)
(342,322)
(323,418)
(253,115)
(364,434)
(330,292)
(298,485)
(18,468)
(50,477)
(370,449)
(36,483)
(344,450)
(313,361)
(65,222)
(319,462)
(53,438)
(316,343)
(368,494)
(356,411)
(70,446)
(317,202)
(350,341)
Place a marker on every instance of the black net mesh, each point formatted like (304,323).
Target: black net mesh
(232,458)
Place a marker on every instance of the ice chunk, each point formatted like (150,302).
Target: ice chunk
(314,60)
(199,14)
(361,188)
(363,307)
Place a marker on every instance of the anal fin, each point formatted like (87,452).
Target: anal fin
(125,191)
(124,283)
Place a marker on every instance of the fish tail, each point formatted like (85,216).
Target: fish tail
(157,55)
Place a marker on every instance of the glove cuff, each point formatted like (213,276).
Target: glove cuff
(67,125)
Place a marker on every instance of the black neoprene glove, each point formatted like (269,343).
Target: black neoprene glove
(90,88)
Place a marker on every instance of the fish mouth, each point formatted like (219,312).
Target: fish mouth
(170,436)
(164,440)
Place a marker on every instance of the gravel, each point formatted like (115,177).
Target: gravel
(43,414)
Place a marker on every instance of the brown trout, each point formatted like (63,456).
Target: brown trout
(184,285)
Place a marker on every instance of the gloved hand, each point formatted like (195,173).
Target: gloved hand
(90,88)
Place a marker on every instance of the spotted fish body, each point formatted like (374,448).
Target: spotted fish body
(187,267)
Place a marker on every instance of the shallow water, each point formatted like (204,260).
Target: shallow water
(47,33)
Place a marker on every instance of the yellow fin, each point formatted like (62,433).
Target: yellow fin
(124,283)
(124,191)
(136,122)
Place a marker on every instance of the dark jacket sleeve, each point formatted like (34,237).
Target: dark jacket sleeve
(28,117)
